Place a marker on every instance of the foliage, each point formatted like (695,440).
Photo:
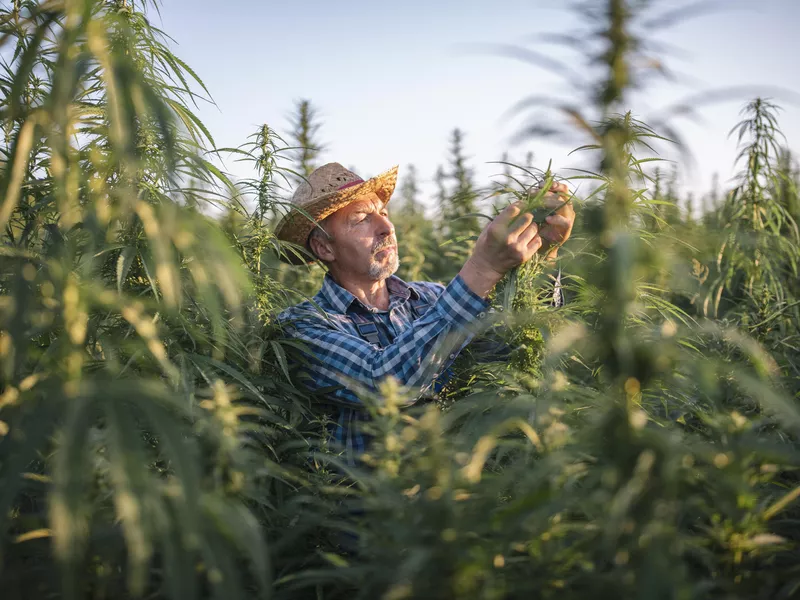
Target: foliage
(414,230)
(758,221)
(639,441)
(123,448)
(307,148)
(458,203)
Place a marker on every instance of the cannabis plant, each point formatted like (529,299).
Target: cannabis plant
(653,456)
(123,448)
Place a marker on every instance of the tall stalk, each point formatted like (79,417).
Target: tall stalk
(760,247)
(122,446)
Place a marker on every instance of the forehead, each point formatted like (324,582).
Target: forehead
(366,202)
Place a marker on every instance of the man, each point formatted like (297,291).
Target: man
(365,323)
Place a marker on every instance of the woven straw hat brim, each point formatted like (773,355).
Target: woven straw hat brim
(296,226)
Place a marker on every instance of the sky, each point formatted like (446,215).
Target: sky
(392,79)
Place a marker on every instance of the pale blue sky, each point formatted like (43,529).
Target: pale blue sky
(392,79)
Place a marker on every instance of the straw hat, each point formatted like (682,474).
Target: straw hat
(326,190)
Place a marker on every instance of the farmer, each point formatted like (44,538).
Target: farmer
(366,323)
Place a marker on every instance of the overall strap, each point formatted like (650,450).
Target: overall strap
(368,329)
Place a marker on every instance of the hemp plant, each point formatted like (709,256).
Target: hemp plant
(643,347)
(760,247)
(530,195)
(122,447)
(653,457)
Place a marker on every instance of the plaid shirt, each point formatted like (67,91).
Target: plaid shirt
(416,349)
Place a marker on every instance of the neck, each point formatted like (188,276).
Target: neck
(369,292)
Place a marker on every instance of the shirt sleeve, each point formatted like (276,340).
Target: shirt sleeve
(415,358)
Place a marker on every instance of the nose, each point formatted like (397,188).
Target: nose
(385,226)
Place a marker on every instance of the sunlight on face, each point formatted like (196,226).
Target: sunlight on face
(364,239)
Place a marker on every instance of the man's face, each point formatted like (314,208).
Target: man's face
(364,243)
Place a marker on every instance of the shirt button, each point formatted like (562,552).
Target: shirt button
(452,356)
(481,315)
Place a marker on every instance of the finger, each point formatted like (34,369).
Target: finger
(559,188)
(557,228)
(520,225)
(507,214)
(562,208)
(557,221)
(555,199)
(551,235)
(534,245)
(529,233)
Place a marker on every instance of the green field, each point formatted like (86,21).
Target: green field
(641,442)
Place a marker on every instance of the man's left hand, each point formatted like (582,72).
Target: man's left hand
(557,227)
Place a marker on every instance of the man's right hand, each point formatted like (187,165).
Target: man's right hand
(505,243)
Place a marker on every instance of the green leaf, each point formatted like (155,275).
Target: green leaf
(280,355)
(124,262)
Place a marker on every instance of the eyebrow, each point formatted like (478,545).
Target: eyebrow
(368,207)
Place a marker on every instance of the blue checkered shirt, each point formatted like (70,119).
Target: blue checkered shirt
(415,349)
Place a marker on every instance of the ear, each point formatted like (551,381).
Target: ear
(322,248)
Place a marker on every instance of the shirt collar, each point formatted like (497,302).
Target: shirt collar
(341,300)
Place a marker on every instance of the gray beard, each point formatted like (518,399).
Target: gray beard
(379,272)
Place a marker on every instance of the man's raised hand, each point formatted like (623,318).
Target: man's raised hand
(508,241)
(512,239)
(558,226)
